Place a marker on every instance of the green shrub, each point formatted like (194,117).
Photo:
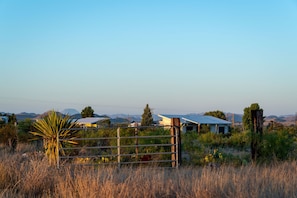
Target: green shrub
(239,140)
(8,136)
(24,129)
(276,146)
(211,139)
(192,148)
(215,156)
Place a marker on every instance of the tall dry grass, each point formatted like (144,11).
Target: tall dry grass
(32,177)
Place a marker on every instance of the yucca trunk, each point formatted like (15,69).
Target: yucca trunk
(51,148)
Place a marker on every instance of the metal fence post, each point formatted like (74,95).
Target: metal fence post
(136,142)
(119,147)
(176,148)
(178,142)
(172,142)
(58,151)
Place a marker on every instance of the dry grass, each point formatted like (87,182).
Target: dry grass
(33,177)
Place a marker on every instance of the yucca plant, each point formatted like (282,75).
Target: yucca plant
(50,128)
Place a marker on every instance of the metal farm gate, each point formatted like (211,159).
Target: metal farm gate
(120,146)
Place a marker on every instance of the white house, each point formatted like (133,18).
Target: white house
(134,124)
(91,121)
(4,119)
(194,122)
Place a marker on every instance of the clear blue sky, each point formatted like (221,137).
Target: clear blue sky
(177,56)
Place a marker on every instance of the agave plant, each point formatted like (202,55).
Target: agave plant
(54,127)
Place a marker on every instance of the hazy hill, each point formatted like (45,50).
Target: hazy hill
(76,116)
(285,120)
(40,116)
(237,117)
(24,115)
(70,111)
(115,121)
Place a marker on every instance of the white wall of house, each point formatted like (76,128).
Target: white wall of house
(213,128)
(4,119)
(165,121)
(219,128)
(189,127)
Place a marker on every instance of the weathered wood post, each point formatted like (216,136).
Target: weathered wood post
(257,132)
(175,142)
(136,141)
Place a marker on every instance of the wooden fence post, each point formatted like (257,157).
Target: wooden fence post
(176,142)
(257,132)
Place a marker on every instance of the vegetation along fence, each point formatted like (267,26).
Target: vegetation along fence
(159,146)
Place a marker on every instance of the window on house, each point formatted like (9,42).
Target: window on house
(222,130)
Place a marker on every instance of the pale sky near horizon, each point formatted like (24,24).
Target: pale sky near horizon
(177,56)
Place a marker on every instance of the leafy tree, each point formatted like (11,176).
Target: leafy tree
(247,116)
(87,112)
(4,120)
(51,127)
(147,118)
(25,125)
(24,128)
(8,136)
(12,118)
(217,114)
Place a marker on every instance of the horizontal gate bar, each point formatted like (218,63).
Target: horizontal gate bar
(145,162)
(122,137)
(114,147)
(115,155)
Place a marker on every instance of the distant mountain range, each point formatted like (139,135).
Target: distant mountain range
(286,120)
(24,115)
(121,118)
(232,116)
(70,112)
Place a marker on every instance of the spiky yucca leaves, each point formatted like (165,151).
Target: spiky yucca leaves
(51,127)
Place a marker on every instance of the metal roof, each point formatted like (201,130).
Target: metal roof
(197,119)
(173,116)
(90,120)
(201,119)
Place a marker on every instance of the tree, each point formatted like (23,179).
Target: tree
(24,128)
(247,117)
(87,112)
(52,127)
(147,118)
(6,118)
(8,136)
(12,119)
(217,114)
(2,121)
(25,125)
